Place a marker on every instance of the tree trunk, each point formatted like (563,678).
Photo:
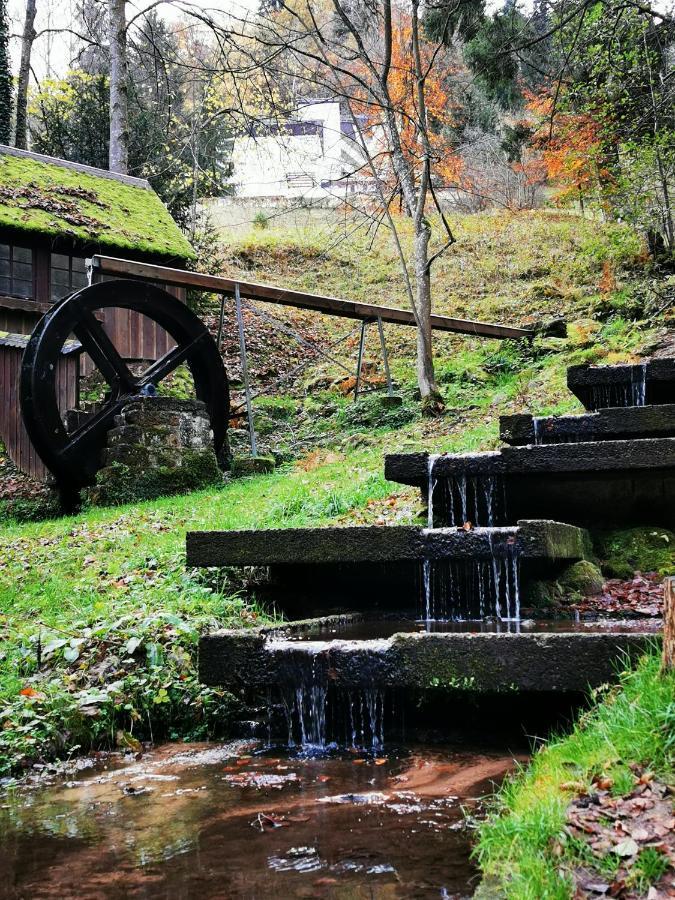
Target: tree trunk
(119,123)
(29,35)
(668,660)
(426,378)
(5,78)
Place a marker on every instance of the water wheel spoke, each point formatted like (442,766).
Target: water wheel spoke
(91,430)
(170,361)
(91,334)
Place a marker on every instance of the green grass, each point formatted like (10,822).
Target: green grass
(519,844)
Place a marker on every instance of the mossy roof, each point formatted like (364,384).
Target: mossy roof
(43,196)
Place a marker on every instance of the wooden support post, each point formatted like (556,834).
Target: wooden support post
(244,369)
(668,660)
(362,344)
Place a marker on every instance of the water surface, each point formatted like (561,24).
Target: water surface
(227,821)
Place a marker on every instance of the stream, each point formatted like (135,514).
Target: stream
(239,820)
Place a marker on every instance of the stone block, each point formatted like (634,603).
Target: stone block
(133,455)
(390,401)
(252,465)
(473,662)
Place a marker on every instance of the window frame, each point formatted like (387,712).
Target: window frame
(12,277)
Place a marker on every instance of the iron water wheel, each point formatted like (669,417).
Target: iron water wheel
(74,457)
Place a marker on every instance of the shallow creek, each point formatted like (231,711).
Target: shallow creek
(236,821)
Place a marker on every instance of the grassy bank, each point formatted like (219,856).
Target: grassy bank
(523,849)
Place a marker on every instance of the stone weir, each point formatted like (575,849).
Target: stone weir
(486,663)
(641,384)
(431,573)
(612,466)
(459,580)
(589,483)
(616,424)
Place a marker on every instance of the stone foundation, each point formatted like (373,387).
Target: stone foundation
(158,446)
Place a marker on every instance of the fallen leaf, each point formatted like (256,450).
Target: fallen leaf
(30,692)
(628,847)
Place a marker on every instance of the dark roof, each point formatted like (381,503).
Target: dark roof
(54,197)
(19,341)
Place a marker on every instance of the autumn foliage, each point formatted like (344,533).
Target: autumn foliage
(569,144)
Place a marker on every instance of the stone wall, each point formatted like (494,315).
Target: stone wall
(158,446)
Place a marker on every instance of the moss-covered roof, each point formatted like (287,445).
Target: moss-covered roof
(40,195)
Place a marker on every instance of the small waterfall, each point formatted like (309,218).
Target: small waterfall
(468,589)
(638,381)
(317,715)
(431,484)
(536,425)
(479,499)
(604,396)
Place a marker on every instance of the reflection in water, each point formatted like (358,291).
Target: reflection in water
(384,628)
(232,821)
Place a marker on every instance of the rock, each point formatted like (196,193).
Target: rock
(583,578)
(389,401)
(243,466)
(623,552)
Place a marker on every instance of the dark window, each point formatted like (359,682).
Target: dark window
(16,271)
(66,274)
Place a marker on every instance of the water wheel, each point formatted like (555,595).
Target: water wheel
(73,457)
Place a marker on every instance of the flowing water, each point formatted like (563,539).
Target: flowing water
(238,821)
(603,396)
(379,629)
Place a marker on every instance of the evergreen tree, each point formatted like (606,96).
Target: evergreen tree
(5,78)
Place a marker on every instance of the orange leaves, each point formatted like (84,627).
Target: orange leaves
(569,144)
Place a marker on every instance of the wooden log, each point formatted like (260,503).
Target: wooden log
(668,659)
(266,293)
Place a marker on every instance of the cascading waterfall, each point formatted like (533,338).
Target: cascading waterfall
(603,396)
(468,589)
(317,719)
(479,499)
(638,380)
(319,716)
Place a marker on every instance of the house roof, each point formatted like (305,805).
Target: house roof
(20,342)
(60,199)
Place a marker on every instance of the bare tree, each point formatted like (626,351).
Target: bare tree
(373,58)
(119,118)
(27,38)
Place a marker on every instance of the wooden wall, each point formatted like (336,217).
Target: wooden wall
(12,431)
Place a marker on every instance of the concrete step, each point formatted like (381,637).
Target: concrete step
(603,425)
(596,483)
(474,662)
(375,544)
(312,571)
(643,384)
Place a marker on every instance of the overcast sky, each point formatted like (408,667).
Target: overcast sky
(52,53)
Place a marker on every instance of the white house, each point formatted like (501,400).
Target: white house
(314,155)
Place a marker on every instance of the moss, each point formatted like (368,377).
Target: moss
(252,465)
(119,483)
(626,551)
(541,594)
(45,198)
(583,578)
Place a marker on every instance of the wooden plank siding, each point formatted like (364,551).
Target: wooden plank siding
(12,430)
